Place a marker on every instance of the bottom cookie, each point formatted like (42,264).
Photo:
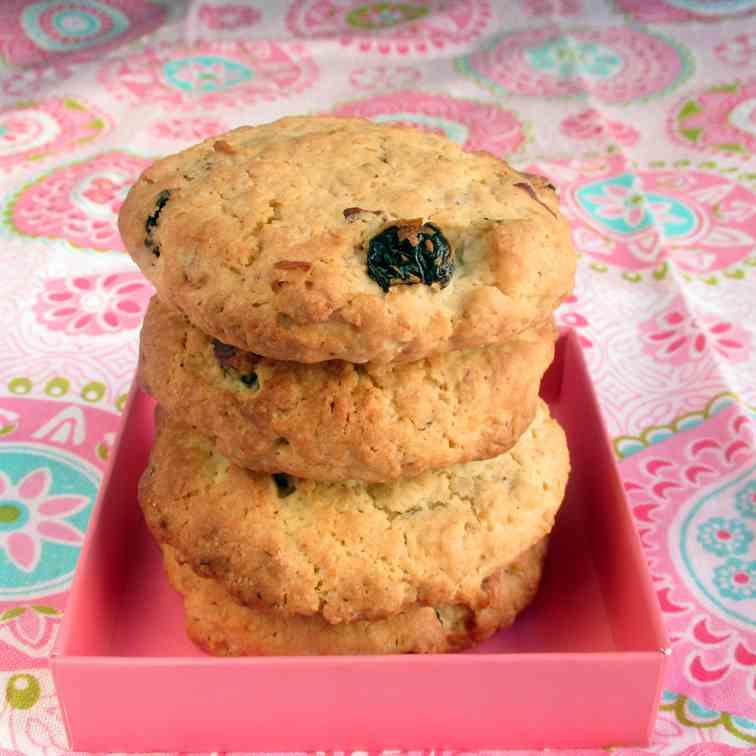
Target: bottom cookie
(222,627)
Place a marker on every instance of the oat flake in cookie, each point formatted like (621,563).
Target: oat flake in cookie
(350,550)
(337,420)
(310,239)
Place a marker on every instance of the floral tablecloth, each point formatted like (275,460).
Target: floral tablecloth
(642,112)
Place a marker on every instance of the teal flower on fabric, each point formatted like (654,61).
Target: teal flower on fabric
(745,500)
(568,58)
(736,579)
(206,73)
(29,515)
(724,537)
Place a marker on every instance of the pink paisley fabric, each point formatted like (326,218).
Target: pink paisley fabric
(641,112)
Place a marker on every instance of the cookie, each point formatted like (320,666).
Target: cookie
(223,627)
(311,239)
(337,420)
(352,550)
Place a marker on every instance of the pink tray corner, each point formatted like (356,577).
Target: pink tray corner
(583,667)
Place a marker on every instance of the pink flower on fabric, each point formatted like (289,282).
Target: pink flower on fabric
(572,318)
(551,7)
(676,336)
(384,77)
(13,129)
(590,124)
(630,204)
(93,305)
(192,129)
(31,626)
(722,118)
(28,515)
(710,749)
(738,51)
(30,81)
(104,191)
(230,16)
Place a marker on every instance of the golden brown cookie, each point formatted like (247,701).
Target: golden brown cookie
(352,550)
(221,626)
(337,420)
(312,239)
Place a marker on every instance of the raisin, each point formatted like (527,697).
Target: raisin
(250,380)
(152,221)
(410,252)
(236,364)
(284,485)
(223,351)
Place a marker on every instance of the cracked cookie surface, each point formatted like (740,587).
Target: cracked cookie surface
(221,626)
(337,420)
(261,237)
(352,550)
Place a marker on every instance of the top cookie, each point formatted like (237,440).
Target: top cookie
(311,239)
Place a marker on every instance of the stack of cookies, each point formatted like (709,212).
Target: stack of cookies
(346,346)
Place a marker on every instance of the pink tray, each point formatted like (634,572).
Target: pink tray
(583,667)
